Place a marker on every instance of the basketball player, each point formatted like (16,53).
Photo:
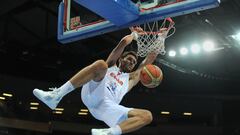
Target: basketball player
(103,86)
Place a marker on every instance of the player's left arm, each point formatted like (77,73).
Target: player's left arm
(134,77)
(118,50)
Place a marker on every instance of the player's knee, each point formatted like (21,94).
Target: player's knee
(99,69)
(146,116)
(100,65)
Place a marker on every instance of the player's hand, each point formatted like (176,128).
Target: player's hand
(137,29)
(163,32)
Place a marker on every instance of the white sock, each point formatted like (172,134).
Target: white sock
(116,130)
(66,88)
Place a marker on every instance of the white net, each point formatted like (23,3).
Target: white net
(154,37)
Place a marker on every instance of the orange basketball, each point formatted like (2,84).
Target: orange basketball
(151,76)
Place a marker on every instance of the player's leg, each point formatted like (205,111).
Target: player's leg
(95,71)
(137,118)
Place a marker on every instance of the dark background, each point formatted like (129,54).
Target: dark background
(206,84)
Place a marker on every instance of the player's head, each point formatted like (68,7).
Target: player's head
(128,61)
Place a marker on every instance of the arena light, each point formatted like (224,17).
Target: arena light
(208,46)
(59,109)
(33,108)
(82,113)
(34,103)
(195,48)
(236,37)
(172,53)
(187,113)
(2,98)
(7,95)
(57,112)
(183,51)
(165,113)
(84,110)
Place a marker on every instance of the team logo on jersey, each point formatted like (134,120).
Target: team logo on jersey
(116,78)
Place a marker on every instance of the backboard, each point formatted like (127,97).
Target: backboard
(113,15)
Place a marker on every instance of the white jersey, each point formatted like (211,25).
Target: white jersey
(103,98)
(116,84)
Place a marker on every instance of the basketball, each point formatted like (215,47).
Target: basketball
(151,76)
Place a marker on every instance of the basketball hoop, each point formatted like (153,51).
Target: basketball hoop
(153,37)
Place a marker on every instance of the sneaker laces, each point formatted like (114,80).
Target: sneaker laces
(54,91)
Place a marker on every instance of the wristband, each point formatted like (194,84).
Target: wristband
(134,35)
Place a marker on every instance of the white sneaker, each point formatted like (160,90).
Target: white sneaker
(101,132)
(50,98)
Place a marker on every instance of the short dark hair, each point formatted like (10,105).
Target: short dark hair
(131,53)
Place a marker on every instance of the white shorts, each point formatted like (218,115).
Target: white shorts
(100,107)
